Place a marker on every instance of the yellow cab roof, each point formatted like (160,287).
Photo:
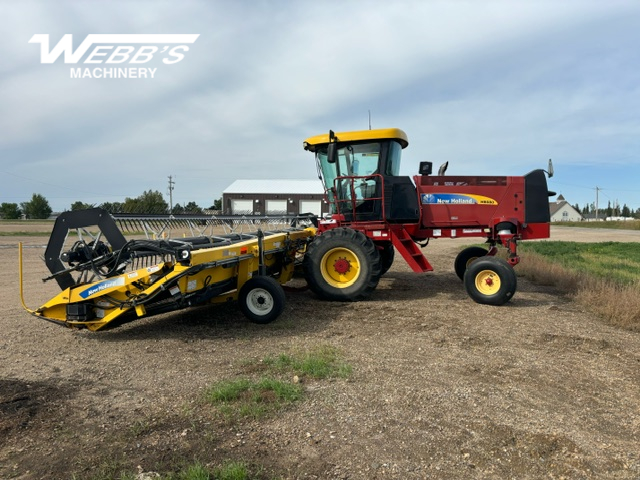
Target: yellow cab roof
(312,143)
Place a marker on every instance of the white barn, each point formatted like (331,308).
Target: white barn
(274,197)
(562,211)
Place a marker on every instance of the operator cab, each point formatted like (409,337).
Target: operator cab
(360,172)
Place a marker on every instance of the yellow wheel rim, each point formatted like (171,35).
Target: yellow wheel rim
(340,267)
(487,282)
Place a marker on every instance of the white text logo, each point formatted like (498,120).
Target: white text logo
(116,49)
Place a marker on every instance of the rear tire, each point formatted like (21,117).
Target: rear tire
(490,281)
(342,264)
(261,299)
(464,259)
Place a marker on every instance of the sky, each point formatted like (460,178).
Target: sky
(492,87)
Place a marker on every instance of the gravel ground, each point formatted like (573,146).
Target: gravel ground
(441,387)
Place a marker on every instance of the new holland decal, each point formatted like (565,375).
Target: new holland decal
(455,199)
(99,287)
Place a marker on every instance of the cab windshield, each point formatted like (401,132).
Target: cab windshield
(358,160)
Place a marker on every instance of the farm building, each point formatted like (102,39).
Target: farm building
(274,197)
(562,211)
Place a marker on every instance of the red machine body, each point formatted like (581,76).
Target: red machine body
(360,173)
(495,208)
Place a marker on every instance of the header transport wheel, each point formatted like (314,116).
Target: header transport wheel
(342,264)
(261,299)
(490,281)
(465,257)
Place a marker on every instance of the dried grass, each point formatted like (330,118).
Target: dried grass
(617,305)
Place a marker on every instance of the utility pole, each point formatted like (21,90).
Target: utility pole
(171,184)
(597,190)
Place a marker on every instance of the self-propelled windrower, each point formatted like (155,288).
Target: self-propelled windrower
(375,212)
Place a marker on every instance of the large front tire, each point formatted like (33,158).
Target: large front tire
(261,299)
(490,281)
(342,264)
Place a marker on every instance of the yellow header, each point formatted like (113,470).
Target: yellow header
(312,143)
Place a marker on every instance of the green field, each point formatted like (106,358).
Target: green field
(28,228)
(604,277)
(24,234)
(613,261)
(617,225)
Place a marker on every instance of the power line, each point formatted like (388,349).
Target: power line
(171,184)
(592,188)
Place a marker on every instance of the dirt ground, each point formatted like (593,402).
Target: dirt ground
(441,387)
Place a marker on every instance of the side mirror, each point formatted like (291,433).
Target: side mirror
(332,150)
(550,169)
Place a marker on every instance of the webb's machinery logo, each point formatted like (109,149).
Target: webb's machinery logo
(119,51)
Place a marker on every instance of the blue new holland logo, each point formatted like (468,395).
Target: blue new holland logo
(99,287)
(455,199)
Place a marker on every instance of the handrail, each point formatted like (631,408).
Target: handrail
(354,199)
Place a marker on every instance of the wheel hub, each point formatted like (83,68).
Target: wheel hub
(341,266)
(487,282)
(259,301)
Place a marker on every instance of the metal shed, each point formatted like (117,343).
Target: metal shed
(274,197)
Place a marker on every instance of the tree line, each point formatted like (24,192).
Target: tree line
(611,210)
(150,202)
(153,202)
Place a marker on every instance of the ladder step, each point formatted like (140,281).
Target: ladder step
(409,251)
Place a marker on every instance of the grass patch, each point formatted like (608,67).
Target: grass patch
(25,234)
(322,362)
(196,471)
(140,427)
(610,261)
(616,224)
(109,469)
(244,398)
(19,221)
(232,471)
(605,277)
